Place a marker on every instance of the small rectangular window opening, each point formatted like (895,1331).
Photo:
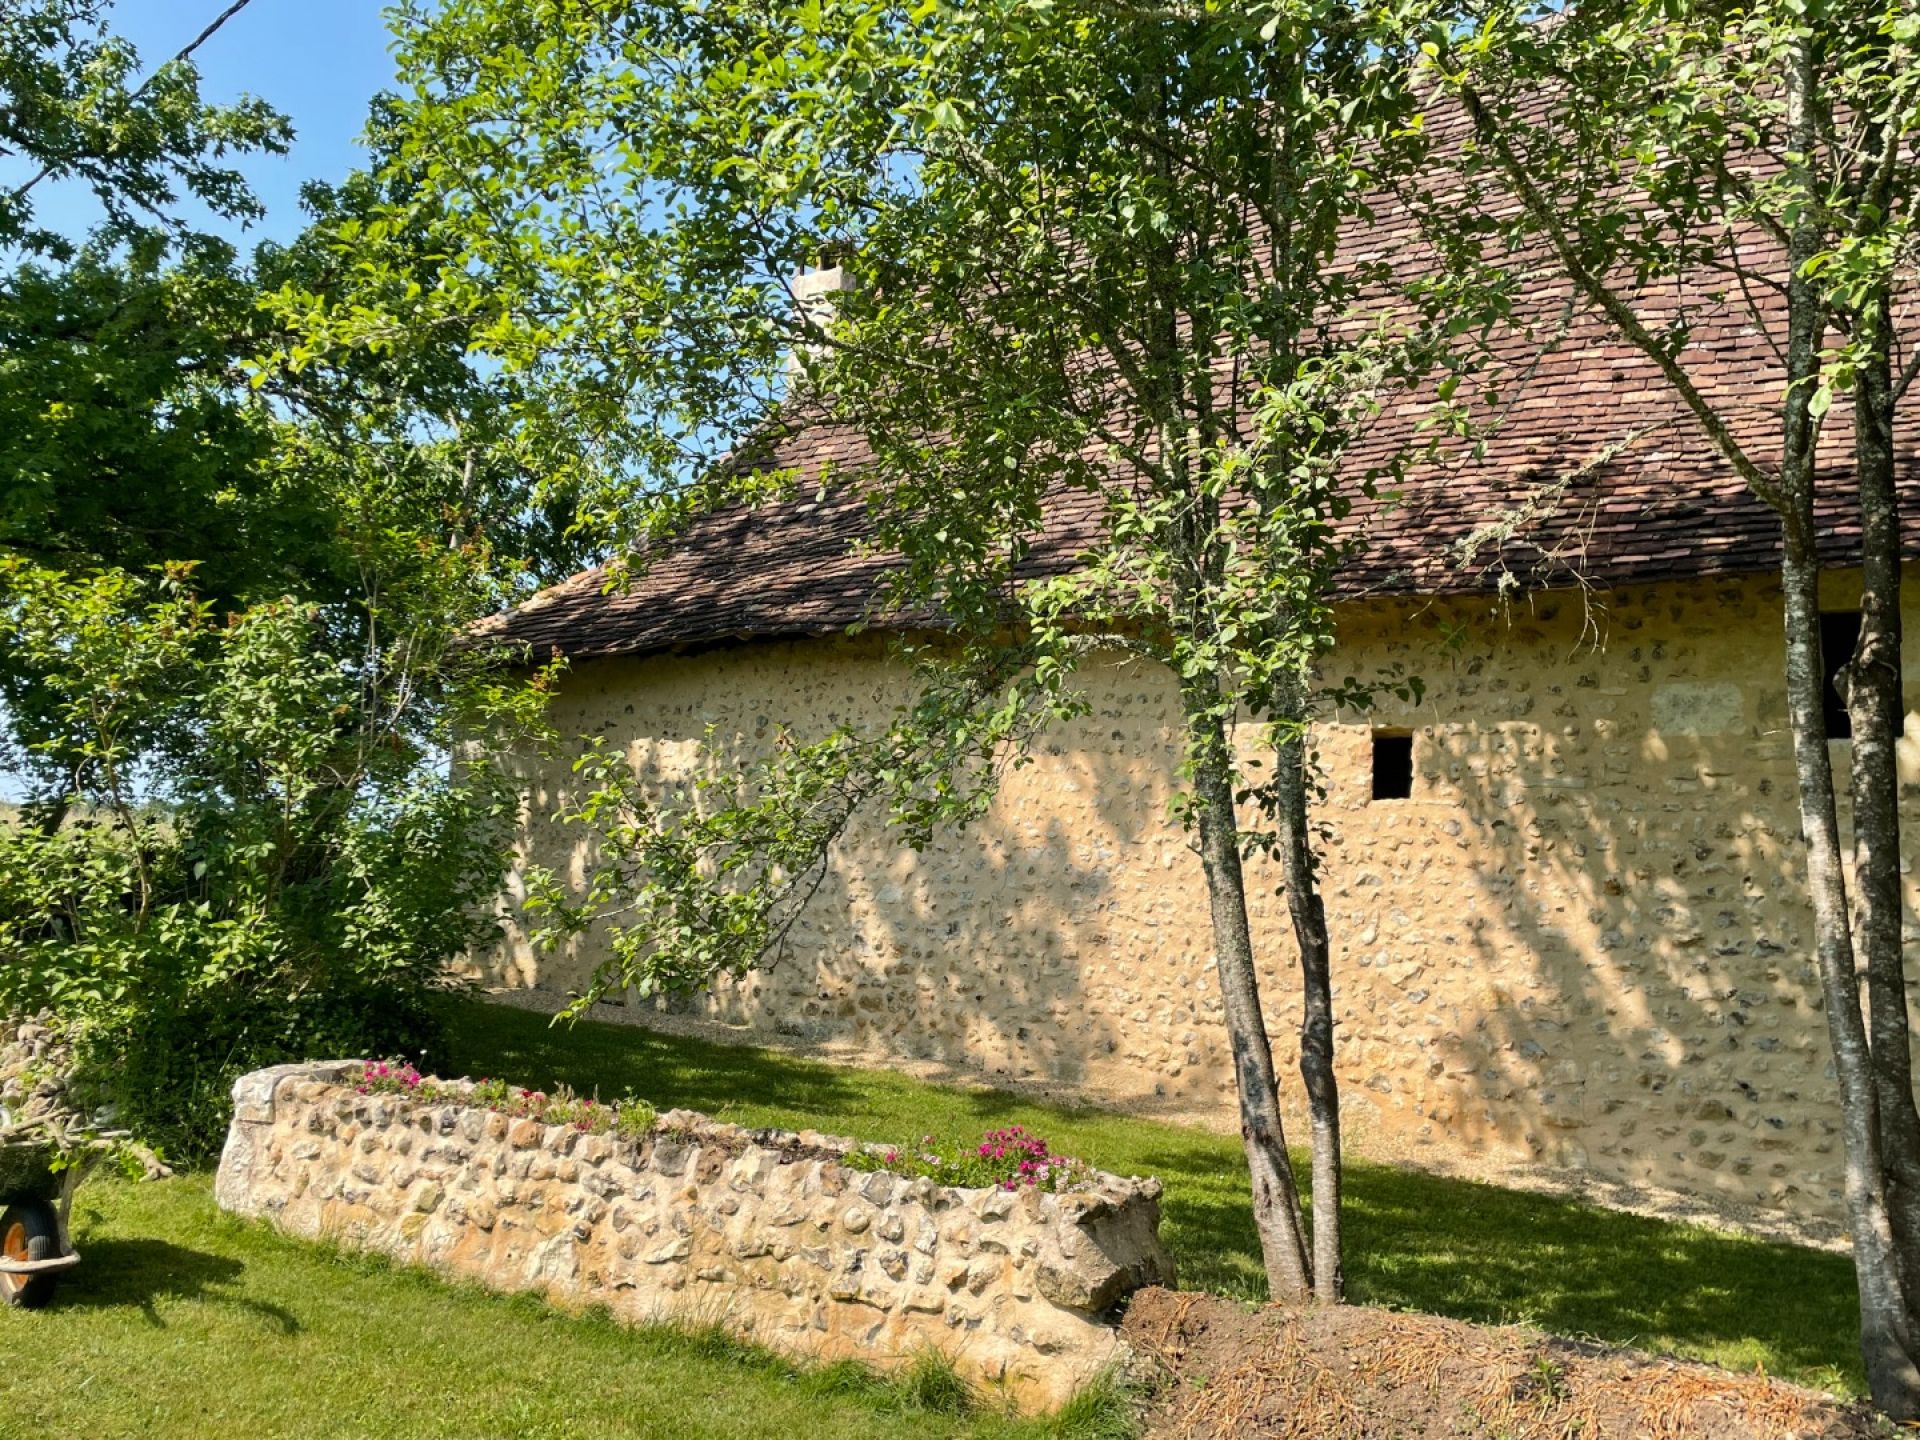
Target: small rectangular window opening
(1392,765)
(1839,633)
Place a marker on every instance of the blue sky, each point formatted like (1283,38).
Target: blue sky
(317,61)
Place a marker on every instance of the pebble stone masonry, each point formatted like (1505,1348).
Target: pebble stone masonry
(764,1231)
(1582,941)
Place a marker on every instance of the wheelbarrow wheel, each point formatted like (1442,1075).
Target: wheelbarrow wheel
(29,1230)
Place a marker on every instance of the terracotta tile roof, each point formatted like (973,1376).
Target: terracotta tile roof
(1611,478)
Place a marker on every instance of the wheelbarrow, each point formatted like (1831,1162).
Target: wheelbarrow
(37,1181)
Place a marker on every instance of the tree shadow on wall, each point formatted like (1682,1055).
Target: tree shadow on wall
(1053,940)
(979,960)
(1616,975)
(976,952)
(1617,981)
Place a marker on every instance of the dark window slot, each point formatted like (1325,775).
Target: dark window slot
(1392,766)
(1839,633)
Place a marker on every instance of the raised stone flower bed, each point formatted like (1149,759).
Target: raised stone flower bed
(769,1232)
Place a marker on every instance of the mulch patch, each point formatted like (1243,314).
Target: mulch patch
(1352,1372)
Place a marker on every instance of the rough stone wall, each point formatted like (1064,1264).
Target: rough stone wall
(765,1232)
(1582,940)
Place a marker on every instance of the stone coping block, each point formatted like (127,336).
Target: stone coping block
(767,1232)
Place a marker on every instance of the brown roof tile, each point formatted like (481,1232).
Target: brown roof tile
(1663,506)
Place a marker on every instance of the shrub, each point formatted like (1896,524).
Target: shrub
(247,851)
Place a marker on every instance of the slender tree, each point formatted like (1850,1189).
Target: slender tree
(1766,156)
(1089,265)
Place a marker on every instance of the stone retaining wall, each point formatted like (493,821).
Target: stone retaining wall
(765,1231)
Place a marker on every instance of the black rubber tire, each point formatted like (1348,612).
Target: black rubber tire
(40,1228)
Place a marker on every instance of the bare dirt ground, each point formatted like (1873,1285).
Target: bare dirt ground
(1220,1369)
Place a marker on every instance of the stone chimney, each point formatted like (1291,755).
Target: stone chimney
(813,298)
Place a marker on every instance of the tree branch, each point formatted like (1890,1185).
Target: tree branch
(1615,309)
(184,53)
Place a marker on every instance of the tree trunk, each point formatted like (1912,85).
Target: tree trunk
(1276,1201)
(1299,874)
(1886,1334)
(50,814)
(1875,704)
(1886,1341)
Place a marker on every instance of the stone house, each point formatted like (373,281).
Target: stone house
(1565,888)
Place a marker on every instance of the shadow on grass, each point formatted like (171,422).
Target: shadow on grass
(1414,1241)
(1482,1252)
(1478,1252)
(613,1059)
(137,1274)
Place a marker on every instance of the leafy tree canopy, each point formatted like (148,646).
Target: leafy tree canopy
(74,113)
(232,582)
(1091,267)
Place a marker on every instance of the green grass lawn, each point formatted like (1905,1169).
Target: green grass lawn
(1414,1242)
(186,1323)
